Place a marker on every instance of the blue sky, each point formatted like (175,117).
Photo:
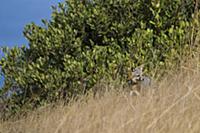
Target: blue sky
(15,14)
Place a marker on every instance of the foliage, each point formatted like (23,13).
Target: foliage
(86,41)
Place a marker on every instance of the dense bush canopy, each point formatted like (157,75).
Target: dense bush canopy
(88,40)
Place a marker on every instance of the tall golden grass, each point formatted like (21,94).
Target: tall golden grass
(170,106)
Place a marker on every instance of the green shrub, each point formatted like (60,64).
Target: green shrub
(86,41)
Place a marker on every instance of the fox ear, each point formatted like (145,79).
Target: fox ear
(141,67)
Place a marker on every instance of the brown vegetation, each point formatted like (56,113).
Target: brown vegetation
(172,106)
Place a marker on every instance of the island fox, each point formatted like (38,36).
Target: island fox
(137,81)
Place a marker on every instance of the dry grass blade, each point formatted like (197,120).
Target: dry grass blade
(169,108)
(173,106)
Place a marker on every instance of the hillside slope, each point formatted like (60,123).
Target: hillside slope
(172,106)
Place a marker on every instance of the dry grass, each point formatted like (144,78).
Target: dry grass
(172,106)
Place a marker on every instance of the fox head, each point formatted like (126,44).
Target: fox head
(135,75)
